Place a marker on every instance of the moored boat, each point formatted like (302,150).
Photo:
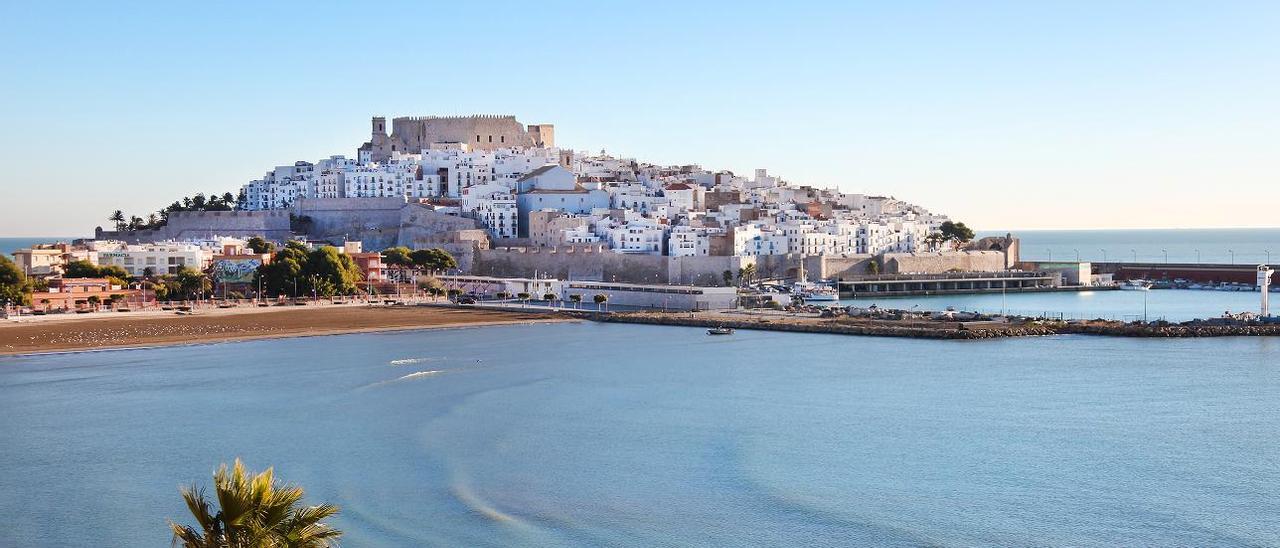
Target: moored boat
(810,292)
(1136,285)
(721,330)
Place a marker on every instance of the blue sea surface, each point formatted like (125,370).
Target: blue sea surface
(1185,245)
(9,245)
(623,435)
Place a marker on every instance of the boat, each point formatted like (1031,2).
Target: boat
(809,293)
(1136,285)
(720,331)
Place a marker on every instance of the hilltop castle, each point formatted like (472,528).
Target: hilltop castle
(412,134)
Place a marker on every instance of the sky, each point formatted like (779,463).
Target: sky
(1004,115)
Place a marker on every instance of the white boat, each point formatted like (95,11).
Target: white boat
(1136,285)
(720,331)
(809,292)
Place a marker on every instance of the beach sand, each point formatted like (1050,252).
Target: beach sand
(139,329)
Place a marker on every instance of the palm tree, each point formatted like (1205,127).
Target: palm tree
(576,299)
(255,512)
(601,299)
(746,274)
(117,217)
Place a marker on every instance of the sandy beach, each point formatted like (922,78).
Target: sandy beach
(138,329)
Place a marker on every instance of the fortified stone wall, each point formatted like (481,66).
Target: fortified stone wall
(462,244)
(184,225)
(594,263)
(937,263)
(379,223)
(414,133)
(704,270)
(836,268)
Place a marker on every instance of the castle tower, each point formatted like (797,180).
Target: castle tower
(543,135)
(380,145)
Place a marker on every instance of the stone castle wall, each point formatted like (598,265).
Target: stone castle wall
(479,132)
(185,225)
(937,263)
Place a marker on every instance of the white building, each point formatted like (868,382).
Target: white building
(161,258)
(494,206)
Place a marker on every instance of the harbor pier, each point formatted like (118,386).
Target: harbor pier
(949,283)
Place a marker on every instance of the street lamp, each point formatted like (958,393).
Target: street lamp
(1233,255)
(1166,255)
(1135,255)
(1050,251)
(1104,255)
(1268,252)
(1197,256)
(1077,255)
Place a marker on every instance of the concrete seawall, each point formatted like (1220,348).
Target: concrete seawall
(939,330)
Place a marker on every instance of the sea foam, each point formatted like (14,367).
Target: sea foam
(409,361)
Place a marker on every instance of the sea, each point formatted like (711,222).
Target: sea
(1182,245)
(589,434)
(9,245)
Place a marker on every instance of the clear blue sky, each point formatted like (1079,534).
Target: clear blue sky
(1002,114)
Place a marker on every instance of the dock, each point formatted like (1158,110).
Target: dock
(951,283)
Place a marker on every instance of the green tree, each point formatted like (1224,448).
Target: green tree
(330,272)
(549,297)
(432,260)
(117,217)
(873,267)
(956,233)
(397,256)
(285,268)
(727,276)
(523,296)
(254,511)
(94,301)
(601,300)
(192,284)
(259,245)
(14,287)
(80,269)
(576,299)
(431,286)
(113,271)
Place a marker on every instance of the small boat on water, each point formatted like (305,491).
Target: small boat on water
(720,331)
(1136,285)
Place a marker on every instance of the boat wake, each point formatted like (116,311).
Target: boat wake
(410,361)
(418,375)
(473,502)
(403,378)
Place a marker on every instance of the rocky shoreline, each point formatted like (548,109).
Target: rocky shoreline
(935,330)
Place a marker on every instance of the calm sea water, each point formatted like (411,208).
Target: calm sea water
(590,434)
(9,245)
(1250,245)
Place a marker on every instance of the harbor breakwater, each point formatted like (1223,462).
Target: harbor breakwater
(936,330)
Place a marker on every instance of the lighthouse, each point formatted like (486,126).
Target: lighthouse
(1264,283)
